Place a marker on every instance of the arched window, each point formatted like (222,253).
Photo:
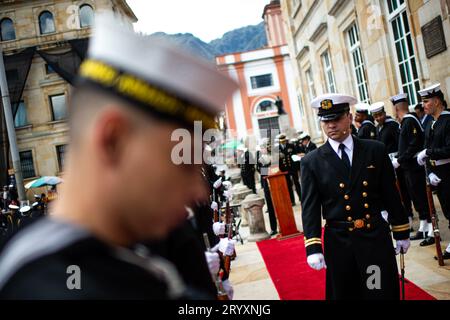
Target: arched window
(7,30)
(266,106)
(86,16)
(46,22)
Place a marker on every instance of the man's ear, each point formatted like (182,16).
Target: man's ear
(111,133)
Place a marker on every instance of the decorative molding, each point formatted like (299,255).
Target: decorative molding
(336,7)
(319,31)
(302,52)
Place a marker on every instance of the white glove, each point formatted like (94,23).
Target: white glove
(385,215)
(228,288)
(395,163)
(213,260)
(421,157)
(434,179)
(227,185)
(218,183)
(316,261)
(228,194)
(219,228)
(214,205)
(402,244)
(226,246)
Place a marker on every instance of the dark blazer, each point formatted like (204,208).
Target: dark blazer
(328,192)
(367,130)
(412,139)
(389,134)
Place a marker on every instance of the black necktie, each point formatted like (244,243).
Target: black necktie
(344,157)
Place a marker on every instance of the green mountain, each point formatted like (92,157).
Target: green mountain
(238,40)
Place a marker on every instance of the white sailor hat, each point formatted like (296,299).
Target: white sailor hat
(264,142)
(25,209)
(401,97)
(154,74)
(432,91)
(332,105)
(13,207)
(362,107)
(376,107)
(304,135)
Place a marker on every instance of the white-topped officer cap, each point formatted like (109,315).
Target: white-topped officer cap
(154,73)
(376,107)
(431,91)
(332,105)
(401,97)
(25,209)
(13,207)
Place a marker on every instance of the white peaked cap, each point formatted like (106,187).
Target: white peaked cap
(376,107)
(336,98)
(25,209)
(362,107)
(399,98)
(160,63)
(430,91)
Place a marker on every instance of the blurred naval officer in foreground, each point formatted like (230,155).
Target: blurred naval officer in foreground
(436,155)
(121,185)
(349,181)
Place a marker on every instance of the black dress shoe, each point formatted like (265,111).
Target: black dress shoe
(417,236)
(427,242)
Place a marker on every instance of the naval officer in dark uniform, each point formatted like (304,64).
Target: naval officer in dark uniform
(436,155)
(410,143)
(246,162)
(367,129)
(388,132)
(132,95)
(348,181)
(287,164)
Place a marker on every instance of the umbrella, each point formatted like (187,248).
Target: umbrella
(43,181)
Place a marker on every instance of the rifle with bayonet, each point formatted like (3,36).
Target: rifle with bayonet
(229,222)
(217,279)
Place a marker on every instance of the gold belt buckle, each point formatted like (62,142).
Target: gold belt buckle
(359,224)
(433,163)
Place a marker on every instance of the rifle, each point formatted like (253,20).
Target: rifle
(434,218)
(229,221)
(402,268)
(216,213)
(221,294)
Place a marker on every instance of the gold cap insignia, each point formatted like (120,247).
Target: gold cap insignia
(326,104)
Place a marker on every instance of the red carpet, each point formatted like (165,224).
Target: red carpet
(295,280)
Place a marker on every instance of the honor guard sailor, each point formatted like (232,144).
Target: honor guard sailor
(348,181)
(367,128)
(410,143)
(436,155)
(122,185)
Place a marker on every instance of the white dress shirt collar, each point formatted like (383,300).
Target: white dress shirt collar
(349,145)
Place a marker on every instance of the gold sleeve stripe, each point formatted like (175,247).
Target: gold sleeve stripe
(313,242)
(402,227)
(306,240)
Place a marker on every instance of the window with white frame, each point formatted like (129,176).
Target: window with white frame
(359,70)
(261,81)
(404,49)
(328,72)
(312,95)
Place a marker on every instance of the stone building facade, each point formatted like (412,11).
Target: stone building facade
(371,49)
(41,126)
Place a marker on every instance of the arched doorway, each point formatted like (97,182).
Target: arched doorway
(266,113)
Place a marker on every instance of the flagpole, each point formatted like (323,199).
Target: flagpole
(11,129)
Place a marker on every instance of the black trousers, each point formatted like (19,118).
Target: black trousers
(249,181)
(292,177)
(406,200)
(355,258)
(270,209)
(443,188)
(416,185)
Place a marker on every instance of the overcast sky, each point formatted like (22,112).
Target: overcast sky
(206,19)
